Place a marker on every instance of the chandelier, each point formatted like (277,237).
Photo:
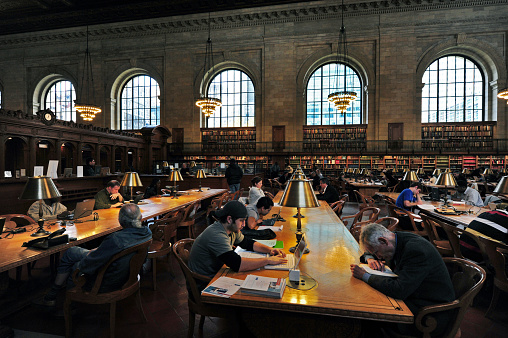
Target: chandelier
(342,99)
(82,105)
(503,94)
(207,104)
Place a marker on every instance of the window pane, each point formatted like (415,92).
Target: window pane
(60,99)
(139,103)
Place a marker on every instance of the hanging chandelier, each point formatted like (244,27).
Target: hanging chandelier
(503,94)
(207,104)
(82,105)
(342,99)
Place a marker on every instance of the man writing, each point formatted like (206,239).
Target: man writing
(422,275)
(410,197)
(214,247)
(328,193)
(255,213)
(109,196)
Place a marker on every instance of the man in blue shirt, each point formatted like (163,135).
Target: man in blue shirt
(410,197)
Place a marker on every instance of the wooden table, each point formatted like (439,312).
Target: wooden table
(338,293)
(13,255)
(367,189)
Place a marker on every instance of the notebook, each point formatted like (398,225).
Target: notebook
(292,260)
(83,209)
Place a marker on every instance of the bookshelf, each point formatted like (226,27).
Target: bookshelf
(453,137)
(228,139)
(250,164)
(330,138)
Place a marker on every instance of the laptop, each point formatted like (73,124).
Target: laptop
(83,209)
(292,260)
(271,221)
(136,200)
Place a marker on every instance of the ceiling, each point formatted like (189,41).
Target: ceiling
(21,16)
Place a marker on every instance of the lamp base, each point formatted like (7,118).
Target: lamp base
(305,283)
(40,232)
(293,248)
(296,216)
(200,190)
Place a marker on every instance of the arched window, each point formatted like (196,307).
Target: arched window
(236,91)
(323,82)
(453,91)
(140,104)
(60,99)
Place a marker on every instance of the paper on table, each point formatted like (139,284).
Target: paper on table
(274,228)
(223,287)
(268,242)
(387,273)
(426,206)
(249,254)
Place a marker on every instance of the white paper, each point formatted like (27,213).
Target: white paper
(387,273)
(274,228)
(223,287)
(7,174)
(223,165)
(38,170)
(249,254)
(79,171)
(52,169)
(23,172)
(268,242)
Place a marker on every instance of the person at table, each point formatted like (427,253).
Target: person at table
(327,192)
(388,179)
(284,178)
(214,246)
(153,189)
(423,278)
(185,170)
(410,197)
(255,192)
(89,261)
(89,167)
(234,175)
(471,196)
(51,208)
(256,212)
(109,196)
(274,170)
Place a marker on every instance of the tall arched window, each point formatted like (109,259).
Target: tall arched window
(323,82)
(60,99)
(453,91)
(140,104)
(236,91)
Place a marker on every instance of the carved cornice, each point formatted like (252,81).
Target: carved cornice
(256,17)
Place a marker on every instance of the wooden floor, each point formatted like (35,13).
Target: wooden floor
(167,312)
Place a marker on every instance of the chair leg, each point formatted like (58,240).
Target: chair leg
(140,306)
(112,319)
(67,317)
(201,323)
(493,302)
(192,320)
(154,273)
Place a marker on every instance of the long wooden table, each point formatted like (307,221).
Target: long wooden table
(13,255)
(338,293)
(365,188)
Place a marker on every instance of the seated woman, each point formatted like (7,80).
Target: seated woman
(255,192)
(153,189)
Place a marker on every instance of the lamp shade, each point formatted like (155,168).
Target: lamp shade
(447,170)
(420,171)
(299,194)
(446,179)
(502,186)
(488,171)
(39,188)
(176,176)
(131,179)
(436,172)
(299,176)
(410,176)
(503,171)
(165,164)
(466,171)
(356,171)
(405,170)
(200,174)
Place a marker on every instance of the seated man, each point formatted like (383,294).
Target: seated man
(255,213)
(51,208)
(214,246)
(423,278)
(327,192)
(89,261)
(89,167)
(410,197)
(109,196)
(471,196)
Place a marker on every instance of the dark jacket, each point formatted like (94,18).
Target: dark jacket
(88,170)
(234,174)
(103,200)
(331,195)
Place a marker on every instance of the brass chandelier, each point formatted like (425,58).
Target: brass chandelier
(503,94)
(342,99)
(207,104)
(82,105)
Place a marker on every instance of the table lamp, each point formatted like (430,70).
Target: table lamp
(410,176)
(447,180)
(175,177)
(131,179)
(165,166)
(488,171)
(299,194)
(405,170)
(503,171)
(502,186)
(299,176)
(40,188)
(200,174)
(466,171)
(436,172)
(420,171)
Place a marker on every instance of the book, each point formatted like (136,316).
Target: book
(223,287)
(264,286)
(387,273)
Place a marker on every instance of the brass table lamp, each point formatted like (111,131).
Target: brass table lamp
(502,186)
(436,172)
(420,171)
(40,188)
(488,171)
(200,174)
(299,194)
(175,177)
(131,179)
(448,181)
(410,176)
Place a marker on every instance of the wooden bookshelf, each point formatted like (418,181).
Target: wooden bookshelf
(228,139)
(455,137)
(333,138)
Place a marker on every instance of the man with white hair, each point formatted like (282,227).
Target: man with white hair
(422,278)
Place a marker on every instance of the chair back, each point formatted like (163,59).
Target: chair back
(467,279)
(344,197)
(337,207)
(19,220)
(363,200)
(454,234)
(165,230)
(405,216)
(371,212)
(389,222)
(388,200)
(431,226)
(188,219)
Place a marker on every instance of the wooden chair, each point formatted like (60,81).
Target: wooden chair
(496,253)
(431,226)
(358,222)
(344,197)
(337,207)
(189,218)
(467,279)
(388,222)
(181,249)
(454,234)
(131,286)
(408,218)
(163,234)
(17,220)
(388,200)
(269,195)
(364,201)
